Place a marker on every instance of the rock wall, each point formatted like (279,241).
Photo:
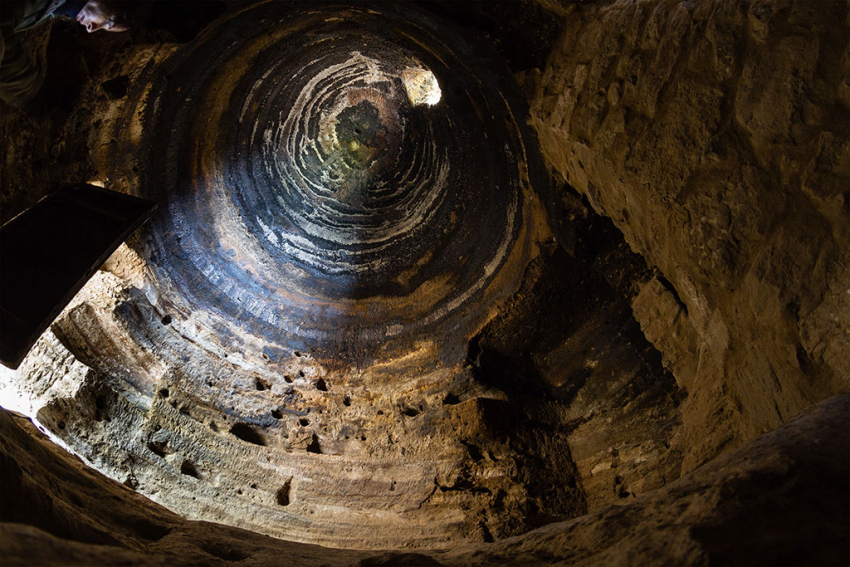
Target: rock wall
(563,407)
(712,134)
(715,135)
(762,504)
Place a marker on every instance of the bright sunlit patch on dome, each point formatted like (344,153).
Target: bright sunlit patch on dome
(421,86)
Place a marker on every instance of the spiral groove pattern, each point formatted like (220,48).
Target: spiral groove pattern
(311,202)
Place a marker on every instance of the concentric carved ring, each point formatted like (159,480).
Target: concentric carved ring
(343,180)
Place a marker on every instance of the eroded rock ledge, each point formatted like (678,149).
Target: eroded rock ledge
(761,504)
(716,136)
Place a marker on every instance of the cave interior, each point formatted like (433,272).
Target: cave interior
(442,283)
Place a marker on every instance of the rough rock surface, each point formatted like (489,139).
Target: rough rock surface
(558,411)
(160,380)
(761,504)
(713,136)
(716,136)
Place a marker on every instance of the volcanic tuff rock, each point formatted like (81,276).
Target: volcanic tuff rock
(312,343)
(716,136)
(761,504)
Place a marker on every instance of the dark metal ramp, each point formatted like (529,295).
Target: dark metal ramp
(49,252)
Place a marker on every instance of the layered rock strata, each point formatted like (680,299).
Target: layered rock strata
(762,503)
(716,136)
(363,319)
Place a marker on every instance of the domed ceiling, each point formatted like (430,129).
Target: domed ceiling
(351,320)
(368,314)
(347,195)
(313,202)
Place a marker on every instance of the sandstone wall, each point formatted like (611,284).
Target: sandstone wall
(715,135)
(762,504)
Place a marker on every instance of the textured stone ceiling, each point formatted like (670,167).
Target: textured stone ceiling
(310,204)
(362,320)
(285,348)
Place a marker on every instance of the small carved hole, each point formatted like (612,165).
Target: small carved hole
(314,446)
(157,448)
(189,469)
(248,434)
(282,495)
